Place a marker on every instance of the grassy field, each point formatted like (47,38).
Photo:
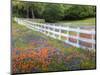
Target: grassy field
(35,52)
(84,22)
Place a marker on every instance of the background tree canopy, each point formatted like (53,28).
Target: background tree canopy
(79,12)
(52,12)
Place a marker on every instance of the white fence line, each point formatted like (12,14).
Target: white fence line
(55,31)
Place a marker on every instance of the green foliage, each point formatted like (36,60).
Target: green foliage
(53,12)
(18,9)
(38,9)
(63,56)
(79,12)
(88,64)
(55,66)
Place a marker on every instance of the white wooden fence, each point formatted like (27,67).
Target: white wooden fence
(63,33)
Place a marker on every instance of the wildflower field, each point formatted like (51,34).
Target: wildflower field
(35,52)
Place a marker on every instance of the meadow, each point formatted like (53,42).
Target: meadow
(35,52)
(82,22)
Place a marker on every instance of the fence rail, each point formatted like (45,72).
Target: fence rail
(63,33)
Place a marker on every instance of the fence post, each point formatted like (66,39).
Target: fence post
(48,31)
(68,33)
(33,26)
(37,28)
(40,28)
(78,36)
(59,32)
(54,31)
(44,29)
(92,40)
(47,28)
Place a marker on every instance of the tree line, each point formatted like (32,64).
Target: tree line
(52,12)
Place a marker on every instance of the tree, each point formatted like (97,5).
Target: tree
(22,9)
(18,8)
(53,13)
(79,12)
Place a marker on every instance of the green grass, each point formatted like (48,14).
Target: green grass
(23,31)
(85,22)
(20,32)
(38,20)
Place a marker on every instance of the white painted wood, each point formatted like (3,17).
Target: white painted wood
(93,40)
(78,36)
(43,28)
(67,34)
